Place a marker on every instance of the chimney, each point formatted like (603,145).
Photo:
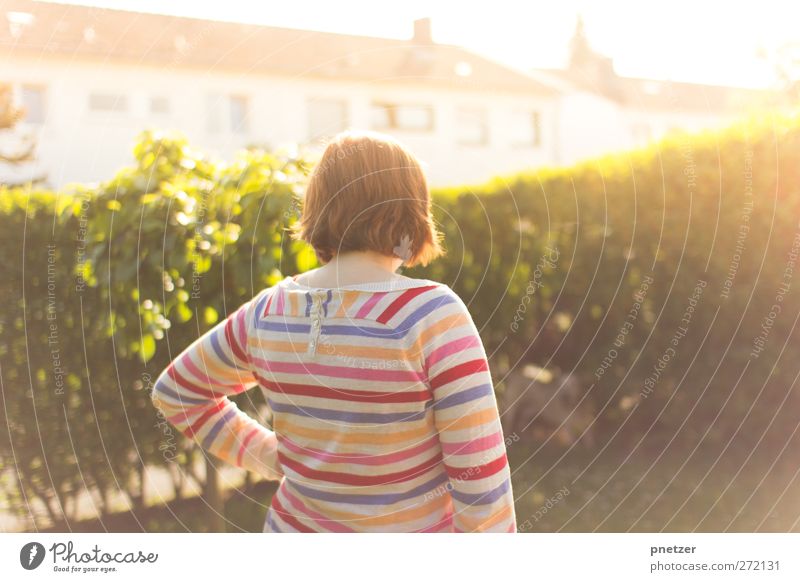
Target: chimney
(422,31)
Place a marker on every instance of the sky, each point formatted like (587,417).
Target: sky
(702,41)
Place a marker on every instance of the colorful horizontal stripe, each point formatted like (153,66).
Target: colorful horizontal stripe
(383,409)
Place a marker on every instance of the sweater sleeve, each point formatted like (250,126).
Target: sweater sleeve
(193,394)
(467,419)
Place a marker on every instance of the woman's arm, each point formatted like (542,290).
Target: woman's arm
(467,419)
(192,393)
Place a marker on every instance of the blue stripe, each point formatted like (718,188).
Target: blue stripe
(464,396)
(304,328)
(387,499)
(272,525)
(482,498)
(218,349)
(398,332)
(161,387)
(344,416)
(260,305)
(308,303)
(424,310)
(328,300)
(212,434)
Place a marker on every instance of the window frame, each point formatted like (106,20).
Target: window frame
(345,120)
(122,98)
(471,110)
(535,119)
(42,88)
(153,99)
(243,128)
(392,108)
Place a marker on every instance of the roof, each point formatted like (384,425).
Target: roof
(591,72)
(652,94)
(40,29)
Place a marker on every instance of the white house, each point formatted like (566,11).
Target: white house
(92,78)
(600,111)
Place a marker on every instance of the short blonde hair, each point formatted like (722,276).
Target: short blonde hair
(369,192)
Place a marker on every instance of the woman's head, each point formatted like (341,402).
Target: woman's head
(369,193)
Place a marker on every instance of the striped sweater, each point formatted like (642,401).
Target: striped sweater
(384,417)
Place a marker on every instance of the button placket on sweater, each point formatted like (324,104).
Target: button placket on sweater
(316,321)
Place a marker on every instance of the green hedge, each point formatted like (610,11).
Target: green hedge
(584,239)
(104,284)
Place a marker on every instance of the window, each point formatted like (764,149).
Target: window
(240,117)
(159,105)
(526,128)
(326,117)
(33,100)
(233,110)
(214,113)
(472,126)
(408,117)
(108,103)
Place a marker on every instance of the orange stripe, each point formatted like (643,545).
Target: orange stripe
(347,301)
(226,448)
(439,328)
(469,421)
(209,363)
(400,516)
(330,436)
(366,352)
(480,523)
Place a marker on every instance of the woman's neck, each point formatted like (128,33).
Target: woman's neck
(353,268)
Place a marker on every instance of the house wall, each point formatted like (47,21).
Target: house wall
(80,145)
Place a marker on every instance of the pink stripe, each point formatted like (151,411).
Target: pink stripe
(186,412)
(451,348)
(318,518)
(361,458)
(279,308)
(183,417)
(370,303)
(473,446)
(340,371)
(242,331)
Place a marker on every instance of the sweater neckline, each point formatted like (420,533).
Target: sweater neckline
(396,284)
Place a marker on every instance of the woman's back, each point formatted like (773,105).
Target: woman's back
(384,414)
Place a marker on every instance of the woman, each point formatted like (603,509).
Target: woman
(384,412)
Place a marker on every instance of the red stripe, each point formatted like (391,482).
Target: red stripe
(459,371)
(231,339)
(172,372)
(198,424)
(244,445)
(398,303)
(478,472)
(350,479)
(403,396)
(288,517)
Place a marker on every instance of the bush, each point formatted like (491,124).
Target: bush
(97,279)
